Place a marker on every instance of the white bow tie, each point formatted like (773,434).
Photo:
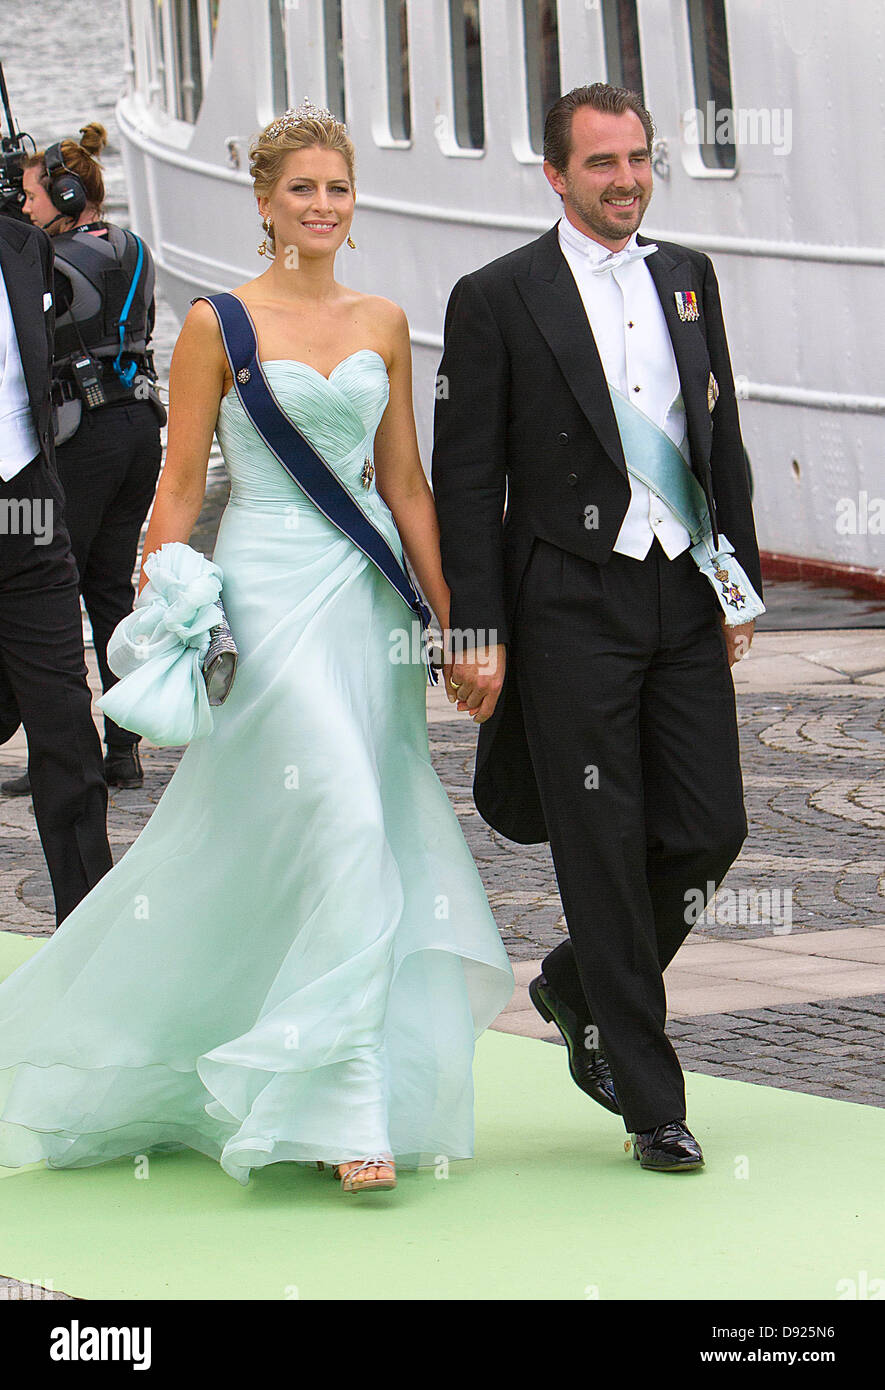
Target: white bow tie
(619,258)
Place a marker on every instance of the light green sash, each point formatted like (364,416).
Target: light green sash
(654,459)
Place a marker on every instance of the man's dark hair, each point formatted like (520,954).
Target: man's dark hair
(600,97)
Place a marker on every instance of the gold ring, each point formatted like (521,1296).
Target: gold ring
(454,686)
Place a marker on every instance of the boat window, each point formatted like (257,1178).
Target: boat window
(541,29)
(188,62)
(157,56)
(712,82)
(129,23)
(279,78)
(467,73)
(399,102)
(333,38)
(170,51)
(623,61)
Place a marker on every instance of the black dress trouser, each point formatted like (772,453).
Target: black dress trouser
(43,684)
(630,719)
(109,470)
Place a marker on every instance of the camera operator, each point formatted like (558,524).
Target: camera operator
(42,666)
(109,414)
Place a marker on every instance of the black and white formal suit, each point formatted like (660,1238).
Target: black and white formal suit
(42,667)
(615,733)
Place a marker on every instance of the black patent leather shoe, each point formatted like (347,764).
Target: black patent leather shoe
(590,1071)
(122,767)
(17,786)
(671,1148)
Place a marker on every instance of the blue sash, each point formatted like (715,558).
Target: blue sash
(300,459)
(654,459)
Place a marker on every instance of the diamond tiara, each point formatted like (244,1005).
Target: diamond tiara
(296,114)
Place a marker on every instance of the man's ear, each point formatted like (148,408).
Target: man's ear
(554,178)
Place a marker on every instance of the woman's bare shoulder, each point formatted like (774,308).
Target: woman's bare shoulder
(201,318)
(383,312)
(387,324)
(200,329)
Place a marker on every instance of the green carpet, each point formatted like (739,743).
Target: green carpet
(552,1207)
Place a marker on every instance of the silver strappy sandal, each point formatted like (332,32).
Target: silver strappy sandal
(360,1165)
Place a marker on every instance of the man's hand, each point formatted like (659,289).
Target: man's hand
(474,682)
(737,640)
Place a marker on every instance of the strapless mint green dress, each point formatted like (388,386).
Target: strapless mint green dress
(293,960)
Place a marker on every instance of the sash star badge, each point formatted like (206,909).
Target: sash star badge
(712,392)
(734,594)
(687,305)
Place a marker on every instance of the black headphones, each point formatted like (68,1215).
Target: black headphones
(65,188)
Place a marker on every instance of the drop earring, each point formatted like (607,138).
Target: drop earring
(350,241)
(263,247)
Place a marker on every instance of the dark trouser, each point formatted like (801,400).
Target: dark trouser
(108,470)
(630,719)
(43,685)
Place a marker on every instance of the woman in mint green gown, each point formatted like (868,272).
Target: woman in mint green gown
(293,960)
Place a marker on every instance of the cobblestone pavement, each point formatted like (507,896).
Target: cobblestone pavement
(830,1047)
(17,1290)
(814,778)
(814,774)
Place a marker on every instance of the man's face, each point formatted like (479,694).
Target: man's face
(608,183)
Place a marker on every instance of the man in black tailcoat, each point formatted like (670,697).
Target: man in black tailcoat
(593,652)
(42,666)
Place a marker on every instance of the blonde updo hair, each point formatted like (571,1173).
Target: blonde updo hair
(268,152)
(81,159)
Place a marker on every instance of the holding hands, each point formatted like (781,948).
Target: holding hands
(474,680)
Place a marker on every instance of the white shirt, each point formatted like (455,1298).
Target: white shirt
(18,436)
(624,311)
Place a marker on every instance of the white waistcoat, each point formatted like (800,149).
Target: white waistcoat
(624,311)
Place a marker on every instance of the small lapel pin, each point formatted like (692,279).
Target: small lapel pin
(712,392)
(47,302)
(687,305)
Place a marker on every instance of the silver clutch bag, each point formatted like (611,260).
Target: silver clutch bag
(220,662)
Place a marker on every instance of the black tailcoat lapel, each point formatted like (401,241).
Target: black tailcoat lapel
(23,274)
(23,250)
(554,302)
